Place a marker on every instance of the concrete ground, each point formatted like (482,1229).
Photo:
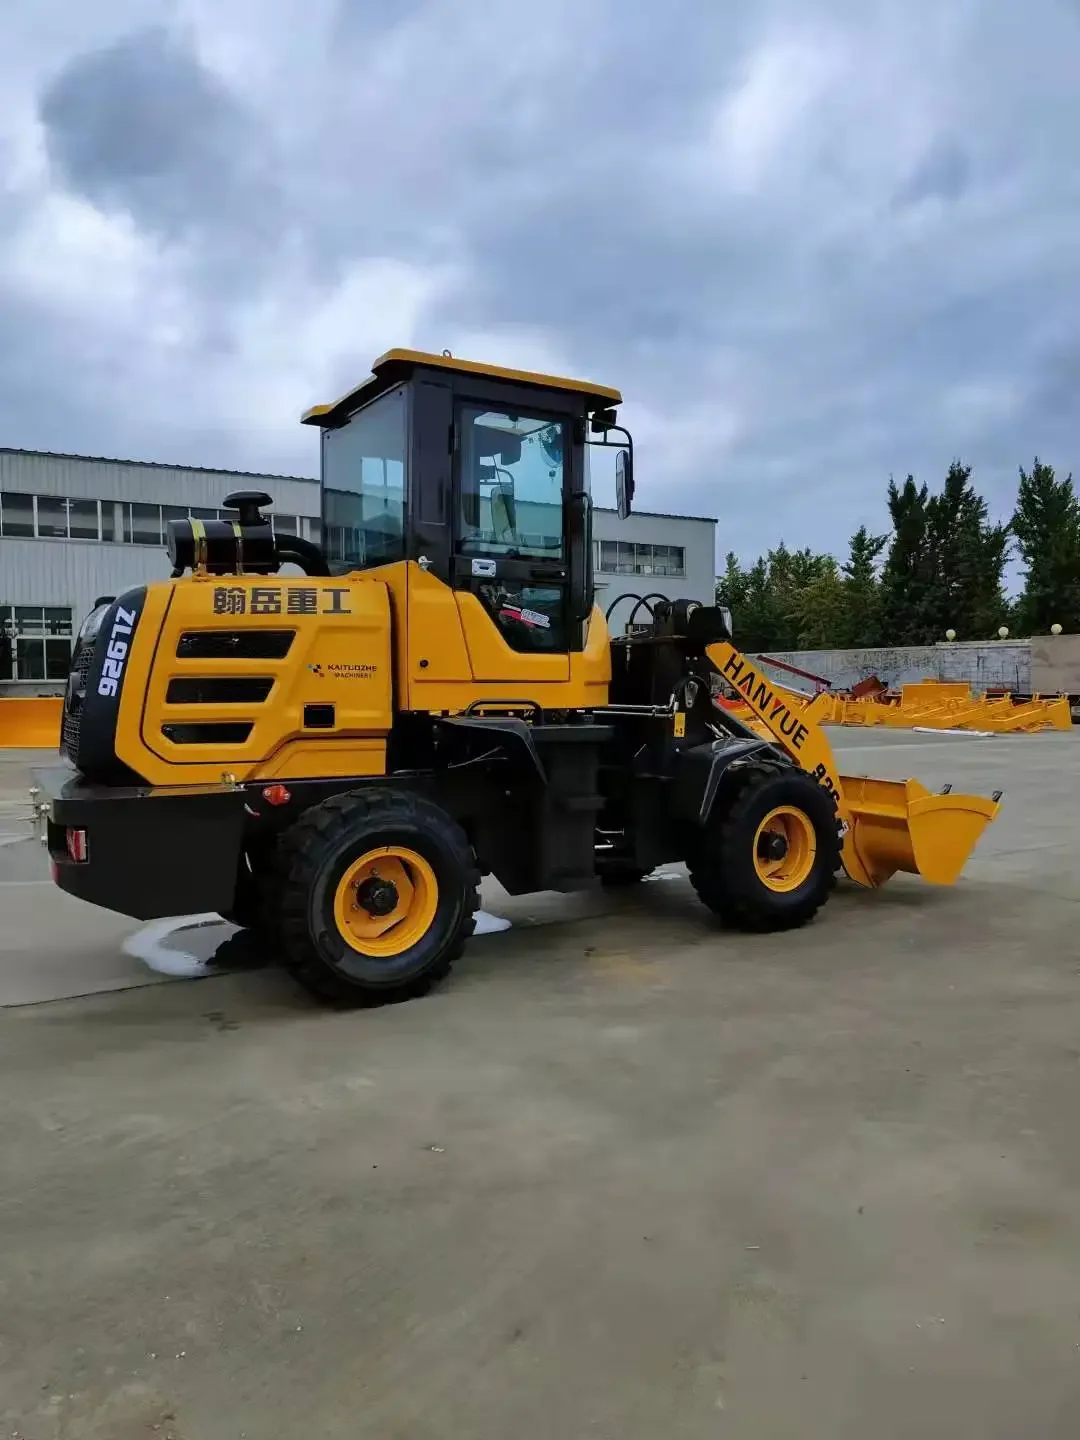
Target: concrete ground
(624,1176)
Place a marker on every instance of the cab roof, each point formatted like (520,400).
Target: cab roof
(397,365)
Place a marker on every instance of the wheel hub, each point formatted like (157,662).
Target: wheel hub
(785,848)
(773,846)
(386,901)
(377,896)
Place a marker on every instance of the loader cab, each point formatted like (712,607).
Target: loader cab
(478,475)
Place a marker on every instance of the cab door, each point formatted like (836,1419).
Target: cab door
(512,473)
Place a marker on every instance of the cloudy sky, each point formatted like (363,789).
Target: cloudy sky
(815,242)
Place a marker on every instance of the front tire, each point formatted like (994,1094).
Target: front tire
(378,895)
(769,858)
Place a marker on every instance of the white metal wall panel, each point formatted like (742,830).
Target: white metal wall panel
(84,478)
(73,572)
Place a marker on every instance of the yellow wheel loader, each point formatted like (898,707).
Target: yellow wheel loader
(333,743)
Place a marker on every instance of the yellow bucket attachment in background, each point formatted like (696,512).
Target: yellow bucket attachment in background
(925,704)
(32,723)
(899,825)
(945,705)
(933,692)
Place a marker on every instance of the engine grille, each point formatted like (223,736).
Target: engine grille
(218,690)
(75,699)
(234,644)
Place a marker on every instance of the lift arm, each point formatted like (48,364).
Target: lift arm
(887,825)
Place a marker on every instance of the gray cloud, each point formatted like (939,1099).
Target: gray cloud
(944,173)
(815,242)
(142,125)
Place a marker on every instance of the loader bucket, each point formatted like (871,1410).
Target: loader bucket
(900,825)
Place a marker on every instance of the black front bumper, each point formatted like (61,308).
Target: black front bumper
(149,853)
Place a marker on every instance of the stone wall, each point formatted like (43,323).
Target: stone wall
(1055,664)
(984,664)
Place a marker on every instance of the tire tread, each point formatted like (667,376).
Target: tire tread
(713,878)
(300,853)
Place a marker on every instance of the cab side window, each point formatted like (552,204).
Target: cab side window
(511,487)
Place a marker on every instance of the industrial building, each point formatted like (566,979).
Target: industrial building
(73,528)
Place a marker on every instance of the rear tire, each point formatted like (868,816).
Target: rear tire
(769,857)
(378,894)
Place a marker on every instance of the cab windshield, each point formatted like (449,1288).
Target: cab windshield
(363,486)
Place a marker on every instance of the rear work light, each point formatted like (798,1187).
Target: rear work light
(78,846)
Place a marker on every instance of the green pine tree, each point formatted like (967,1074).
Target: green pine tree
(1046,523)
(968,554)
(746,595)
(819,604)
(732,587)
(906,612)
(861,620)
(760,628)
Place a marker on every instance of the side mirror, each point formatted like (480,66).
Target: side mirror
(624,483)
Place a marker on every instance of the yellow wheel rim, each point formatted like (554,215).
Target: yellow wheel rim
(386,901)
(785,847)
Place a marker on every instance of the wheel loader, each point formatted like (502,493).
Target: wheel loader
(333,743)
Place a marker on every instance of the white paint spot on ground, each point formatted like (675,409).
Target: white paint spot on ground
(961,734)
(149,945)
(490,924)
(160,945)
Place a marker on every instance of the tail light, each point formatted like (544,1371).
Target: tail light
(78,847)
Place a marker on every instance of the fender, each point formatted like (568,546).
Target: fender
(700,772)
(506,733)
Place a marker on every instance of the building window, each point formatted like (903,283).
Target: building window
(145,524)
(52,517)
(172,512)
(631,557)
(16,514)
(83,519)
(35,642)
